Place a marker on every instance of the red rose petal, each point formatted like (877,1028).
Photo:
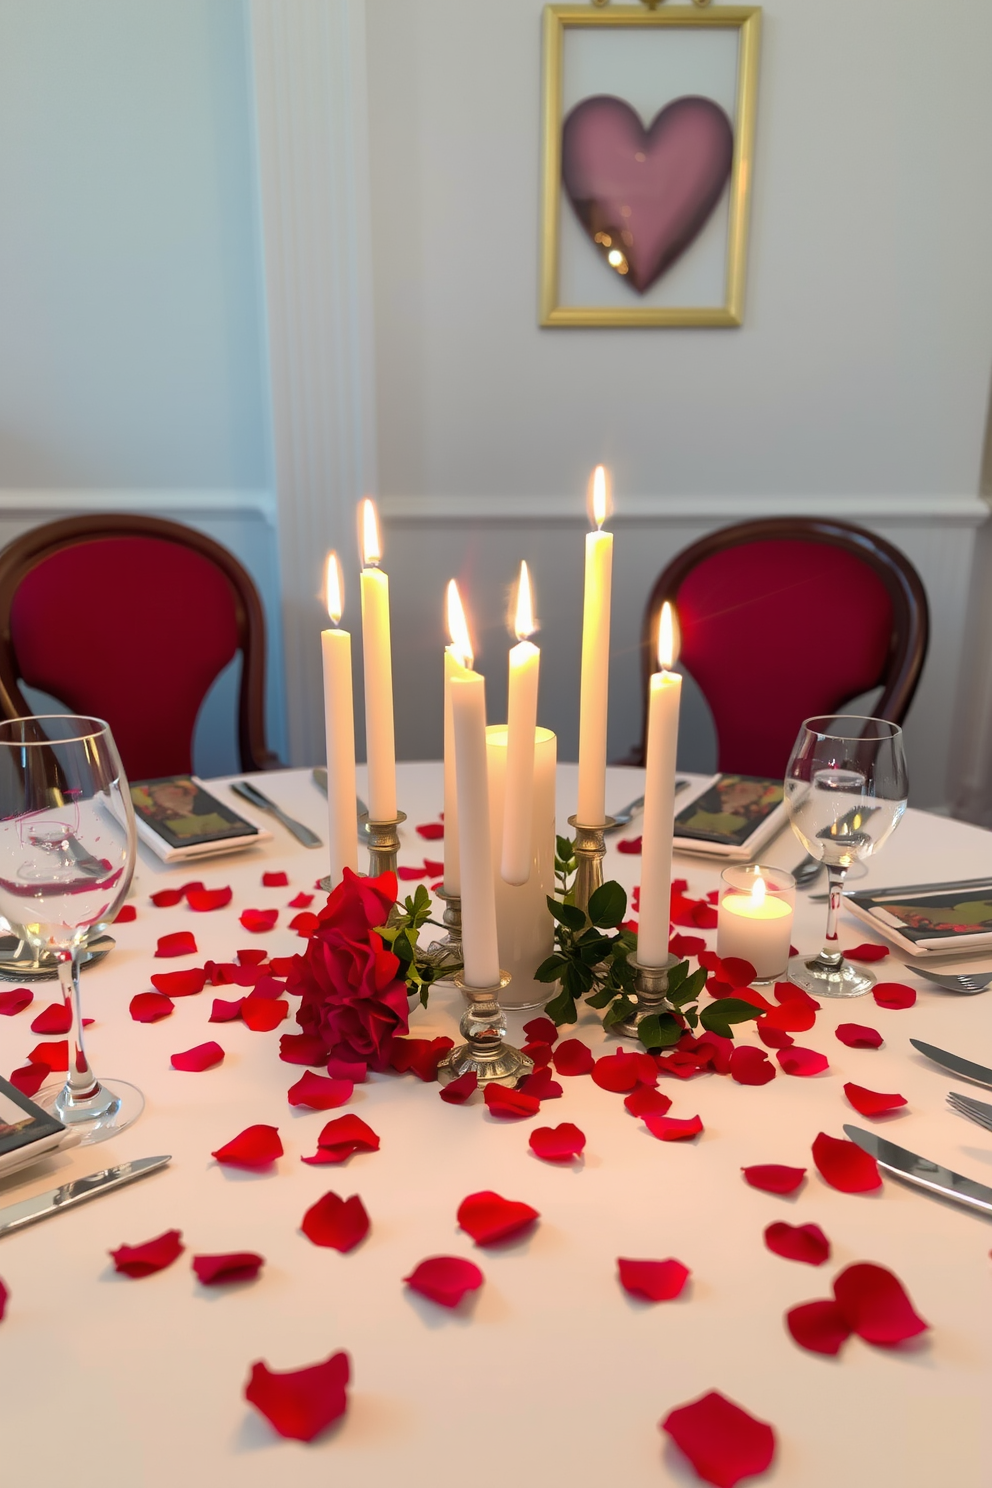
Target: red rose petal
(304,923)
(445,1279)
(818,1326)
(872,1102)
(457,1092)
(501,1101)
(301,901)
(262,1014)
(300,1403)
(540,1084)
(318,1093)
(798,1242)
(893,994)
(751,1066)
(336,1223)
(790,1017)
(204,900)
(875,1305)
(258,921)
(723,1442)
(857,1036)
(54,1056)
(797,1061)
(433,831)
(541,1031)
(341,1138)
(29,1078)
(125,915)
(686,945)
(867,952)
(149,1007)
(303,1048)
(789,992)
(659,1281)
(343,1069)
(236,1265)
(433,867)
(774,1177)
(631,845)
(255,1147)
(275,880)
(202,1057)
(671,1128)
(573,1057)
(180,983)
(540,1054)
(557,1143)
(488,1218)
(643,1100)
(844,1166)
(621,1071)
(425,1059)
(225,1012)
(166,898)
(180,943)
(15,1001)
(153,1255)
(55,1018)
(409,874)
(773,1038)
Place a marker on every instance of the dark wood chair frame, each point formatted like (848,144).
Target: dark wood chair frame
(31,548)
(910,611)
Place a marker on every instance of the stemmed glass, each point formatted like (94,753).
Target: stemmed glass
(67,851)
(845,790)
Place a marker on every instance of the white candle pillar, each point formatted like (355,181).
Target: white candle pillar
(479,943)
(595,684)
(380,746)
(457,663)
(525,664)
(654,916)
(339,731)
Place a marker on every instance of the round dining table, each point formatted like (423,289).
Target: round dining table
(550,1373)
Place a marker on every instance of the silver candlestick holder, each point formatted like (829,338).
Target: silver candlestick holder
(590,850)
(448,950)
(485,1050)
(383,843)
(650,993)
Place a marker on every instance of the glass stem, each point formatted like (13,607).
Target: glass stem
(831,950)
(80,1083)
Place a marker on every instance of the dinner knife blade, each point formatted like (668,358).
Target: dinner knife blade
(29,1211)
(922,1171)
(953,1062)
(254,797)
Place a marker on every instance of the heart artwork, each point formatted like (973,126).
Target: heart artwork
(643,195)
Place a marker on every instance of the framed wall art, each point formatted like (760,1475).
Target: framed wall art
(648,155)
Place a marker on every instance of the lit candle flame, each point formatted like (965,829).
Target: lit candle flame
(371,546)
(758,891)
(461,641)
(600,505)
(668,637)
(333,588)
(524,623)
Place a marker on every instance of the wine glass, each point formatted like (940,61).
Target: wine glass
(67,851)
(845,790)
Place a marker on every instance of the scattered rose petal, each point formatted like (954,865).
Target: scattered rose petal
(774,1177)
(844,1166)
(573,1057)
(125,914)
(255,1147)
(723,1442)
(539,1054)
(433,831)
(797,1061)
(659,1281)
(237,1265)
(867,952)
(180,943)
(300,1403)
(258,921)
(262,1014)
(166,898)
(342,1137)
(29,1078)
(433,867)
(409,874)
(541,1031)
(686,945)
(630,845)
(303,1048)
(857,1036)
(893,994)
(345,1069)
(336,1223)
(789,992)
(671,1128)
(202,1057)
(304,923)
(818,1326)
(488,1218)
(204,900)
(798,1242)
(540,1084)
(644,1100)
(621,1071)
(302,901)
(55,1018)
(318,1093)
(422,1056)
(875,1305)
(149,1007)
(557,1143)
(733,970)
(153,1255)
(872,1102)
(773,1038)
(445,1279)
(180,983)
(275,880)
(457,1092)
(225,1012)
(54,1056)
(751,1066)
(251,956)
(504,1102)
(15,1001)
(790,1017)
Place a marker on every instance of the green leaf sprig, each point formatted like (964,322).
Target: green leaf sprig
(419,970)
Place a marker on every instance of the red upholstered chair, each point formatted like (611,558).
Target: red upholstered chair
(785,618)
(131,619)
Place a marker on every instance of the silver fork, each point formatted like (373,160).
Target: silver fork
(968,982)
(978,1111)
(628,812)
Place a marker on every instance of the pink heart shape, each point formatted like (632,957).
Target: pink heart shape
(641,194)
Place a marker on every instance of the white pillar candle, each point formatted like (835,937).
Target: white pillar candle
(380,746)
(457,663)
(521,714)
(339,732)
(524,929)
(595,684)
(654,915)
(479,944)
(757,926)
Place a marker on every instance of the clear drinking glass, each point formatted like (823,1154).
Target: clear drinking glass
(845,790)
(67,851)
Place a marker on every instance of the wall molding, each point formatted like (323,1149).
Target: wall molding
(35,504)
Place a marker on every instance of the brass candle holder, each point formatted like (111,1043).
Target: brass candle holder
(650,989)
(485,1050)
(590,850)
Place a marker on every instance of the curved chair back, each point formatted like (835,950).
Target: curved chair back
(131,619)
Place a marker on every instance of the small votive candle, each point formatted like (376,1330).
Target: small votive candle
(754,920)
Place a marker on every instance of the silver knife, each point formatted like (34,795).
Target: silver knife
(254,797)
(922,1171)
(319,775)
(29,1211)
(963,1068)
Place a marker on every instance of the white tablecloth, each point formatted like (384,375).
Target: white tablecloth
(556,1376)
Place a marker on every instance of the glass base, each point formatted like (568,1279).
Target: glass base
(830,979)
(115,1106)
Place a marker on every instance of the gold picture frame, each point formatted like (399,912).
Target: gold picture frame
(558,21)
